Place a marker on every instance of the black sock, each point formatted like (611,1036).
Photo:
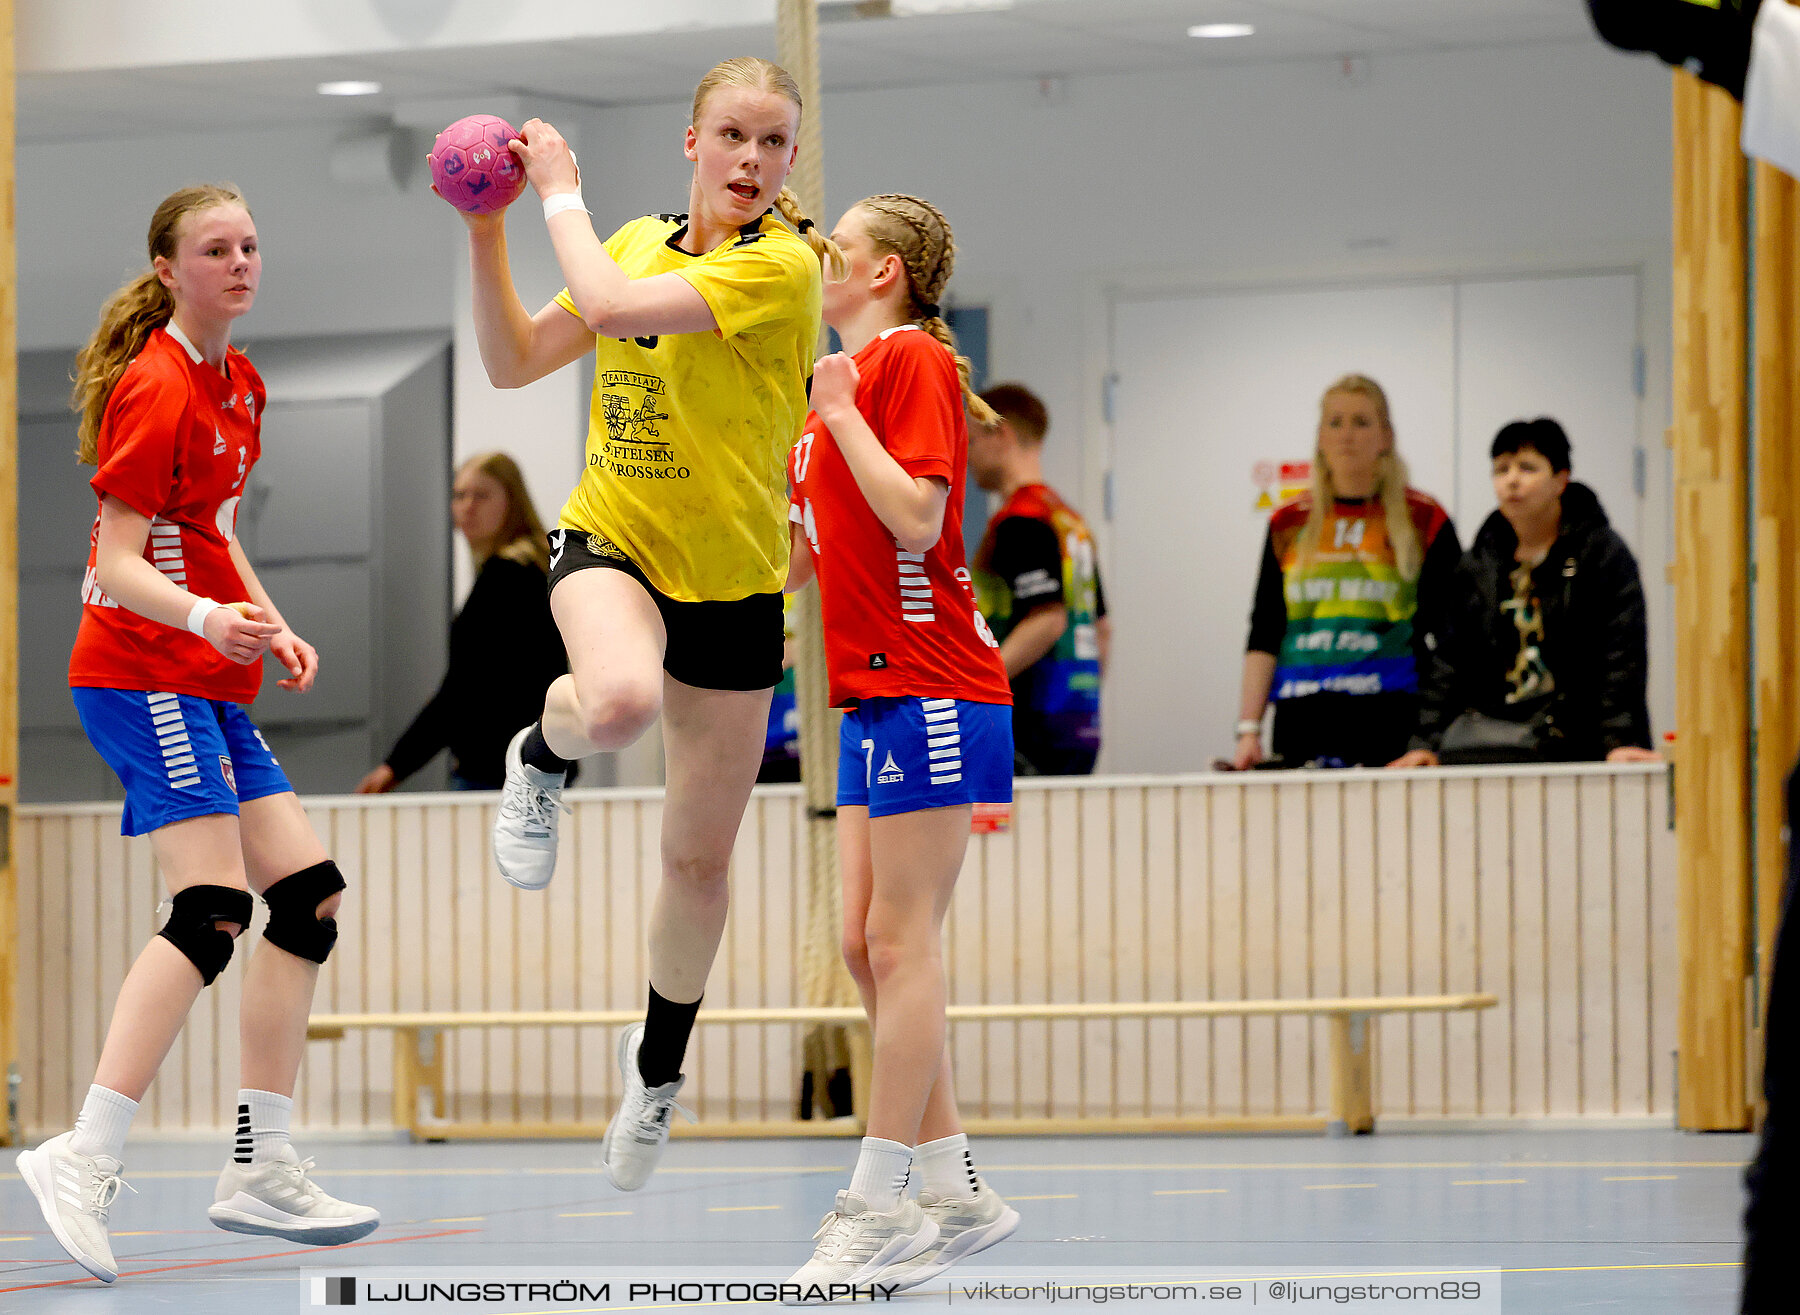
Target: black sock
(667,1026)
(536,753)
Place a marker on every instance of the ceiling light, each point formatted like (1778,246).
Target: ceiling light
(1214,31)
(351,88)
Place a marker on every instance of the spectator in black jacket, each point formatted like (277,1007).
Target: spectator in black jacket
(504,646)
(1548,623)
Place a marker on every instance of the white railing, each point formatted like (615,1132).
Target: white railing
(1551,888)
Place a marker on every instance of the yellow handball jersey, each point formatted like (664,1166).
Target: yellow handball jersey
(688,434)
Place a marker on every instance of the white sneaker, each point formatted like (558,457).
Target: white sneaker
(525,830)
(965,1225)
(75,1191)
(276,1198)
(856,1246)
(637,1133)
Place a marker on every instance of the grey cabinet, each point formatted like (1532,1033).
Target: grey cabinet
(346,520)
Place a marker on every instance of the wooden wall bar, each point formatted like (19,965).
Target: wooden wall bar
(1553,889)
(1777,543)
(1711,575)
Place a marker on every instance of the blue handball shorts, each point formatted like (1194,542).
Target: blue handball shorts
(178,756)
(908,754)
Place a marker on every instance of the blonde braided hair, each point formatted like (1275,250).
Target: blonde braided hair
(917,232)
(753,74)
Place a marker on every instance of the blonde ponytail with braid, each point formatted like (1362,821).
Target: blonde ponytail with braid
(917,232)
(836,267)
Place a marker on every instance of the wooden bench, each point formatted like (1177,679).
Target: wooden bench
(419,1096)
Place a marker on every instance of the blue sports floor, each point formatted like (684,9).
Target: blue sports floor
(1640,1221)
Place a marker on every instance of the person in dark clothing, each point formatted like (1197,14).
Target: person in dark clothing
(504,646)
(1353,572)
(1037,582)
(1751,48)
(1548,626)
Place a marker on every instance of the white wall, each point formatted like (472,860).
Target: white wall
(1504,160)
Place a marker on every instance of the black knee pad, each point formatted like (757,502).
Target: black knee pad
(294,923)
(192,928)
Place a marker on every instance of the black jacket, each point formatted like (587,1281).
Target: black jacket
(504,652)
(1594,637)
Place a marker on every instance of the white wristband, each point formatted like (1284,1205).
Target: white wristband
(202,609)
(1248,727)
(555,205)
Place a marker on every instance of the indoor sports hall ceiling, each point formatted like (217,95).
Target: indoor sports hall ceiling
(863,43)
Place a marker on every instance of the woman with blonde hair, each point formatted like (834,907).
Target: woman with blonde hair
(504,648)
(1354,573)
(174,627)
(927,732)
(668,560)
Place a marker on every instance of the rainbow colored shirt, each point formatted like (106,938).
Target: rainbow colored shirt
(1349,611)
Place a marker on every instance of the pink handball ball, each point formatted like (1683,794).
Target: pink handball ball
(472,167)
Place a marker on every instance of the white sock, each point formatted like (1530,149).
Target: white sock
(104,1121)
(945,1167)
(880,1176)
(262,1125)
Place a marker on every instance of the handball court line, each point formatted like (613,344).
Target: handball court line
(485,1171)
(238,1260)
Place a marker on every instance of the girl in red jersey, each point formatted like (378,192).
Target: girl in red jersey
(172,635)
(928,727)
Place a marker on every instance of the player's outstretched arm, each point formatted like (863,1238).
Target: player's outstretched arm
(611,303)
(517,348)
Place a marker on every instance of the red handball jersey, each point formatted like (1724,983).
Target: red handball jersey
(896,623)
(176,444)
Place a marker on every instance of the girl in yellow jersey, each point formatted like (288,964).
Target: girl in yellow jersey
(667,564)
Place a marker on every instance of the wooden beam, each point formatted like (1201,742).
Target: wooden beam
(9,573)
(1776,550)
(1712,639)
(331,1027)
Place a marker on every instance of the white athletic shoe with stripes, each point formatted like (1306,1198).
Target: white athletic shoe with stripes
(965,1225)
(75,1192)
(277,1199)
(636,1135)
(525,830)
(857,1246)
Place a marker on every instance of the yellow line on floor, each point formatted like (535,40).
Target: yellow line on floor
(1065,1196)
(463,1219)
(1645,1178)
(594,1214)
(18,1239)
(736,1209)
(1185,1191)
(1487,1182)
(1334,1187)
